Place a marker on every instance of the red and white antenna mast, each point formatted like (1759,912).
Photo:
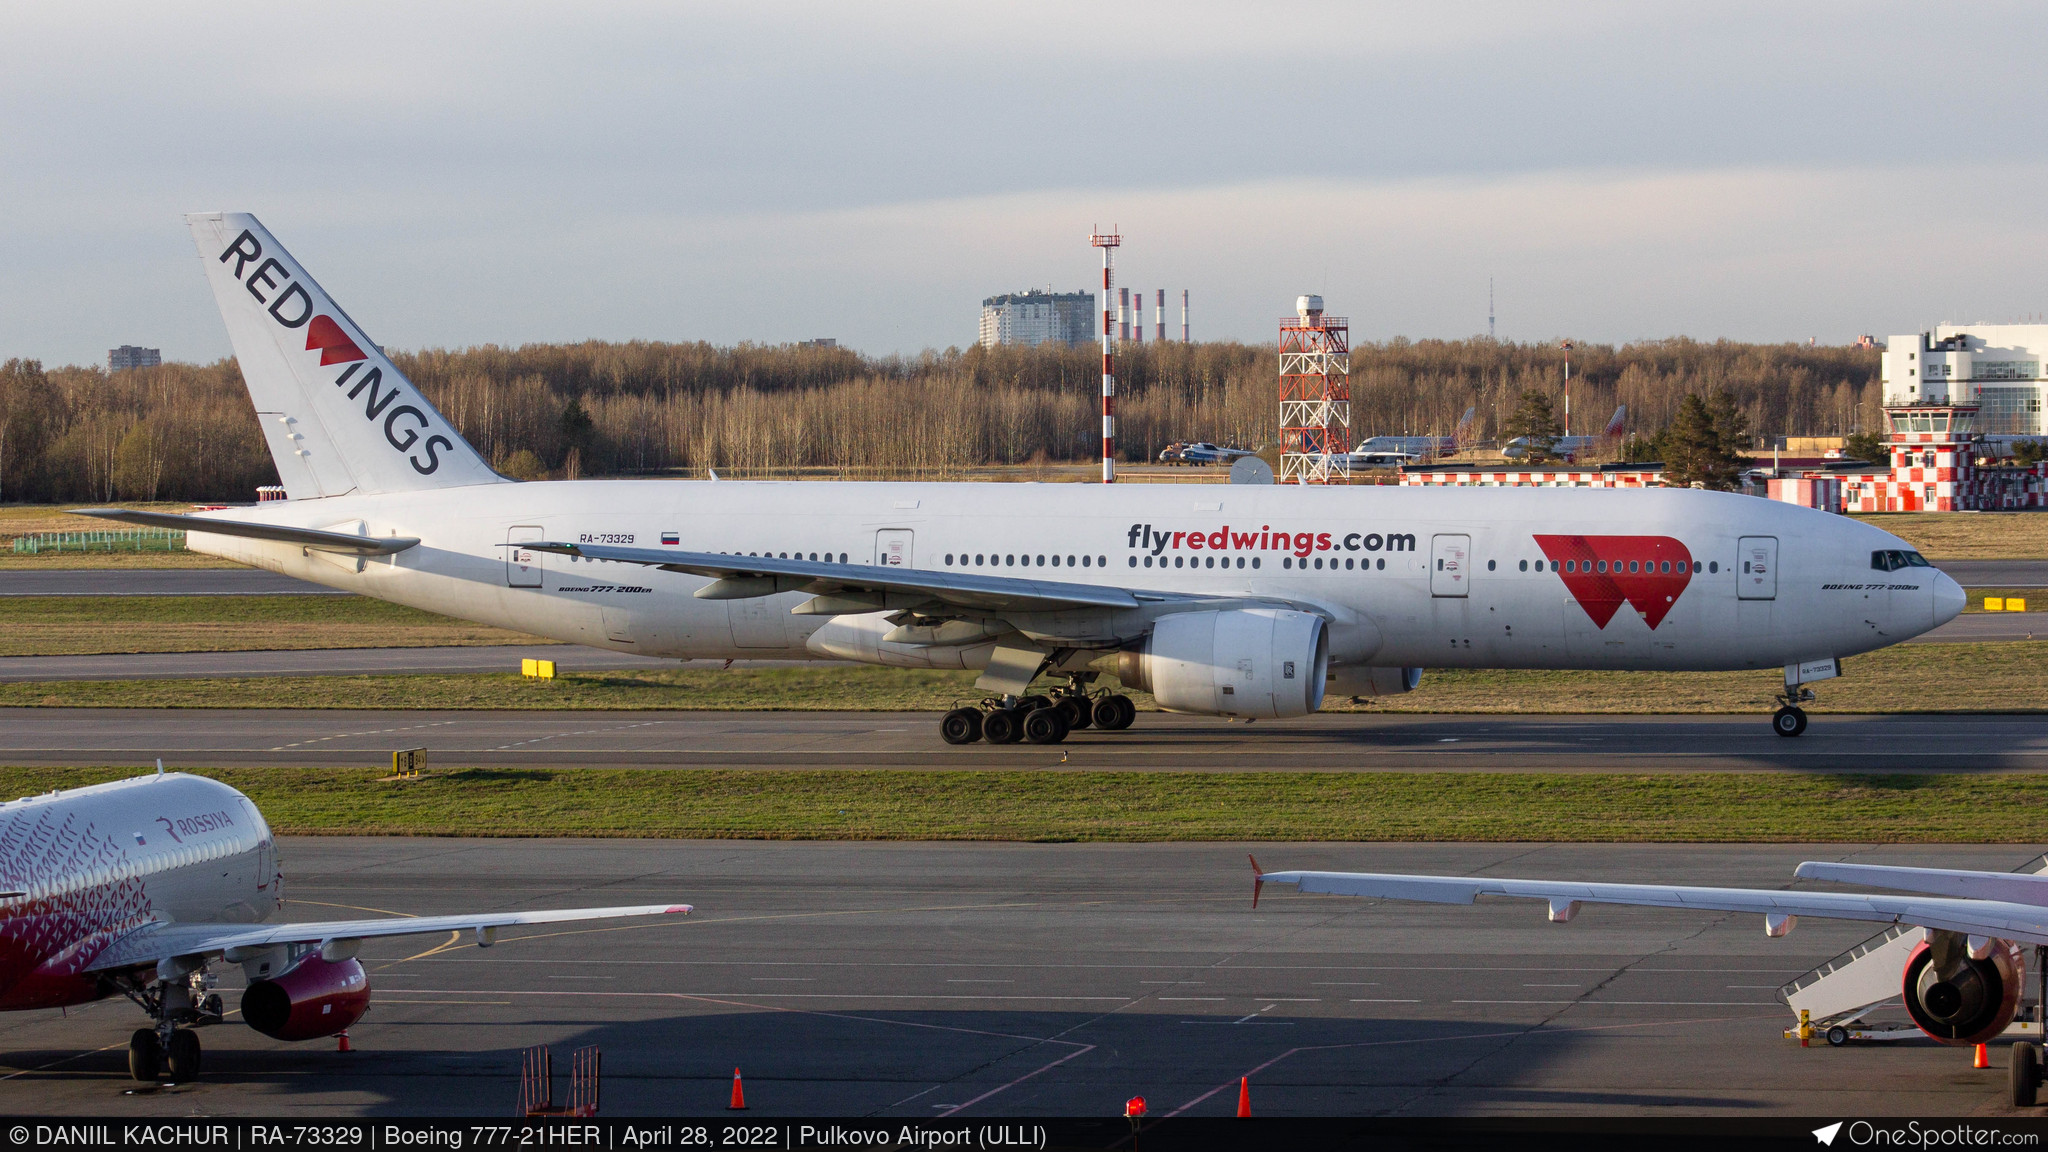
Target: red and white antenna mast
(1108,242)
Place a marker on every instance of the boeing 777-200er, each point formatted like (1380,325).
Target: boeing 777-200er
(1243,601)
(1963,970)
(140,886)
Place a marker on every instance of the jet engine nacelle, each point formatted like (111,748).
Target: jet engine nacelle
(1958,999)
(1259,663)
(314,998)
(1360,681)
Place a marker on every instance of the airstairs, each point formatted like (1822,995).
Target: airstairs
(1838,997)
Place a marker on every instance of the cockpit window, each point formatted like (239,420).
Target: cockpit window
(1891,560)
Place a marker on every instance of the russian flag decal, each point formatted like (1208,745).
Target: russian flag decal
(671,538)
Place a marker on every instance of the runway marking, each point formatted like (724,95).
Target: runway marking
(1080,1049)
(349,735)
(584,732)
(1641,1003)
(1386,1001)
(1179,999)
(1519,1032)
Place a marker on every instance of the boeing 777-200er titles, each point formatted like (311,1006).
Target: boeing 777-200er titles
(140,886)
(1963,967)
(1243,601)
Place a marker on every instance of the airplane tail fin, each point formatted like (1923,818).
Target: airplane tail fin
(337,415)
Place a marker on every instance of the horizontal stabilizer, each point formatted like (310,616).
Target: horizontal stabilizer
(312,538)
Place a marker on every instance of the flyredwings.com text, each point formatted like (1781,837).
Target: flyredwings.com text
(1144,538)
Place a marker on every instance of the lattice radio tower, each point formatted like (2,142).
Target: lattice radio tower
(1315,396)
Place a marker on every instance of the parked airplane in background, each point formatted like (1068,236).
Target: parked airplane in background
(1963,973)
(141,886)
(1571,447)
(1200,452)
(1247,601)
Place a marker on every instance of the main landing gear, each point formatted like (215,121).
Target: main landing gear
(166,1049)
(1038,719)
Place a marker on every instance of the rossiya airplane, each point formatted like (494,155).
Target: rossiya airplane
(1963,970)
(1243,601)
(140,887)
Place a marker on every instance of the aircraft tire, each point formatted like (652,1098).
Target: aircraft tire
(1788,721)
(1002,726)
(961,726)
(1122,713)
(145,1057)
(182,1060)
(1045,725)
(1076,711)
(2026,1074)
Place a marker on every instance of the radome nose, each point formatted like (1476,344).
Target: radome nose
(1949,599)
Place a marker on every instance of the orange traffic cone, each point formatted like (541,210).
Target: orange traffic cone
(739,1098)
(1244,1098)
(344,1042)
(1983,1059)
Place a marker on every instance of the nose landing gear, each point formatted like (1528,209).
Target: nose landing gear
(1790,718)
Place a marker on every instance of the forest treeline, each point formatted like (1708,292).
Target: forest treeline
(187,432)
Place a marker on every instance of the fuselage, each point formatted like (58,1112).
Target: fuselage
(86,866)
(1408,576)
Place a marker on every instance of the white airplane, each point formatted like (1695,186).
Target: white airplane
(1962,980)
(141,886)
(1247,601)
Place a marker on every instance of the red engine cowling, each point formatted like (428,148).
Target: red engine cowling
(1957,1000)
(312,999)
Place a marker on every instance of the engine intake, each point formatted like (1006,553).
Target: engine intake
(313,998)
(1259,663)
(1958,1000)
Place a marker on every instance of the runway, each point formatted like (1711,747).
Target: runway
(978,980)
(1338,742)
(1992,627)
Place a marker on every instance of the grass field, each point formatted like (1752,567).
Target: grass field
(76,625)
(1968,535)
(1052,806)
(2001,678)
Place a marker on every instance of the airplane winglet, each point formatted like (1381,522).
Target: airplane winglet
(1258,878)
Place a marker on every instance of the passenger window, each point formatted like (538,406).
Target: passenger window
(1713,566)
(1525,566)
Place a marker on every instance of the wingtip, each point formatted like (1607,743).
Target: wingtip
(1258,879)
(678,910)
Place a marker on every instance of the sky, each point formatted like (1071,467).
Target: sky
(459,174)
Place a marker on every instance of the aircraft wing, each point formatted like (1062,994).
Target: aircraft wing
(161,941)
(314,538)
(2022,922)
(740,577)
(2015,887)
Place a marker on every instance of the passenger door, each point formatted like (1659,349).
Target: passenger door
(892,548)
(1450,565)
(1757,576)
(523,565)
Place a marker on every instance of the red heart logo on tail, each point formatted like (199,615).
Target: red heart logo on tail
(335,346)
